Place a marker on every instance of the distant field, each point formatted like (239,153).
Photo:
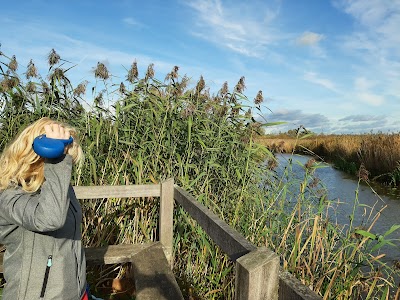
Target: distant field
(379,154)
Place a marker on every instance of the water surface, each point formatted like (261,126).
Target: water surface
(342,188)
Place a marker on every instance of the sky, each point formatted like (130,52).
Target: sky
(332,66)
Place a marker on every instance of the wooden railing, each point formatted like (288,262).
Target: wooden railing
(258,272)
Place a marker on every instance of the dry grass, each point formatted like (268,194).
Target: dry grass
(378,153)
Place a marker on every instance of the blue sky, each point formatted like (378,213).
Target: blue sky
(330,65)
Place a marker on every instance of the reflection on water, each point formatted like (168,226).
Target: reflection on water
(342,188)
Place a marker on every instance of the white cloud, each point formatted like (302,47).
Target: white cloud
(370,13)
(131,22)
(362,118)
(375,48)
(316,79)
(310,38)
(363,91)
(362,84)
(242,28)
(370,98)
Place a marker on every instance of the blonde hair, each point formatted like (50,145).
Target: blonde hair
(21,166)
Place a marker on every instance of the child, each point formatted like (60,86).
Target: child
(40,219)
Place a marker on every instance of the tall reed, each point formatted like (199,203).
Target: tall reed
(159,129)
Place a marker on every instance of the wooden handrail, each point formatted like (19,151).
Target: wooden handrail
(258,274)
(117,191)
(230,241)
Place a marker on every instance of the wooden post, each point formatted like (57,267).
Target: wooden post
(257,275)
(292,288)
(166,218)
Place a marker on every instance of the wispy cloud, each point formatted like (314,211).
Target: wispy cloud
(362,118)
(131,22)
(296,118)
(317,79)
(245,29)
(363,91)
(375,44)
(309,39)
(370,98)
(73,50)
(320,123)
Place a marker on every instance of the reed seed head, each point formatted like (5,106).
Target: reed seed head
(122,88)
(310,164)
(255,125)
(247,115)
(80,89)
(173,74)
(101,71)
(45,88)
(13,64)
(31,71)
(240,86)
(259,98)
(9,83)
(314,183)
(200,85)
(223,109)
(272,164)
(4,84)
(133,73)
(234,111)
(98,100)
(150,71)
(31,87)
(224,89)
(209,107)
(363,173)
(58,74)
(53,58)
(188,111)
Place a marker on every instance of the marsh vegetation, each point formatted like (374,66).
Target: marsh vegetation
(158,129)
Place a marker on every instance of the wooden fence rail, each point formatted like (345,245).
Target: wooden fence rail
(258,272)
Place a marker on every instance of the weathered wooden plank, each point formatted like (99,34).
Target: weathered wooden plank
(230,241)
(292,288)
(166,218)
(117,191)
(107,255)
(257,275)
(113,254)
(1,261)
(153,276)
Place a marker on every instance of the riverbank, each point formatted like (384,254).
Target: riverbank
(340,190)
(374,157)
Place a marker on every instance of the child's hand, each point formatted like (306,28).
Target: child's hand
(56,131)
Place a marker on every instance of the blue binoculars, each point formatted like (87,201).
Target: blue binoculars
(50,148)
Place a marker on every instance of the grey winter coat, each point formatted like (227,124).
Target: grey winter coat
(44,257)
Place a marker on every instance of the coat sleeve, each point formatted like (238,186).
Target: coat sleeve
(43,211)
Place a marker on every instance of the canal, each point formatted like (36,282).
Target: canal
(343,190)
